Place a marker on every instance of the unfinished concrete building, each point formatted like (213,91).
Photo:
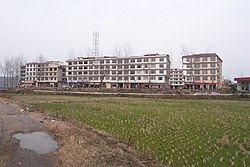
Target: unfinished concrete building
(147,71)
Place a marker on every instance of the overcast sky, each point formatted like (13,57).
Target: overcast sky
(52,27)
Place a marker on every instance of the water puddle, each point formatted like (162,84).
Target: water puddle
(40,142)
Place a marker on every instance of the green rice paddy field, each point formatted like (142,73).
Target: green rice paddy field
(175,132)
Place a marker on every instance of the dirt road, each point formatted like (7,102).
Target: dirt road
(12,121)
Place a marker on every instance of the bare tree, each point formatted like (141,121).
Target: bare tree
(117,51)
(127,49)
(41,58)
(122,51)
(88,52)
(11,70)
(72,54)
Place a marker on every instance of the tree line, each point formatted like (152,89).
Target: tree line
(11,70)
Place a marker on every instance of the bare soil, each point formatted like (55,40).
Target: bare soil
(79,144)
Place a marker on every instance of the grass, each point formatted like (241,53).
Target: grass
(174,132)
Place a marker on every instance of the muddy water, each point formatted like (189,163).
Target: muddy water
(40,142)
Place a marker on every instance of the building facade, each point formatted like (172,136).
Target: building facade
(202,71)
(147,71)
(176,78)
(243,83)
(44,74)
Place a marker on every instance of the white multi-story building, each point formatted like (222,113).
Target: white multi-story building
(202,71)
(147,71)
(176,78)
(44,74)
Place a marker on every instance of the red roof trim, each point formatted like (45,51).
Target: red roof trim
(242,79)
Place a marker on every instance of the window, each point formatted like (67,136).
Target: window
(101,61)
(139,60)
(189,72)
(204,78)
(70,63)
(197,66)
(196,71)
(119,61)
(189,78)
(160,78)
(126,67)
(196,78)
(145,59)
(132,66)
(113,61)
(119,72)
(85,62)
(113,72)
(113,67)
(213,78)
(152,59)
(212,65)
(119,78)
(126,61)
(132,60)
(189,65)
(107,67)
(153,65)
(80,62)
(75,62)
(153,72)
(161,71)
(113,78)
(204,65)
(75,68)
(212,58)
(132,78)
(204,58)
(90,67)
(138,78)
(107,61)
(204,71)
(80,73)
(85,73)
(120,67)
(125,78)
(95,72)
(91,73)
(96,67)
(161,58)
(80,68)
(196,59)
(213,71)
(126,72)
(161,65)
(132,72)
(138,66)
(85,67)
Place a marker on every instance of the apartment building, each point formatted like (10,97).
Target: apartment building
(202,71)
(44,74)
(147,71)
(176,78)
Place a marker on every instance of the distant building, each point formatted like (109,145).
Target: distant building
(202,71)
(176,78)
(243,83)
(44,74)
(147,71)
